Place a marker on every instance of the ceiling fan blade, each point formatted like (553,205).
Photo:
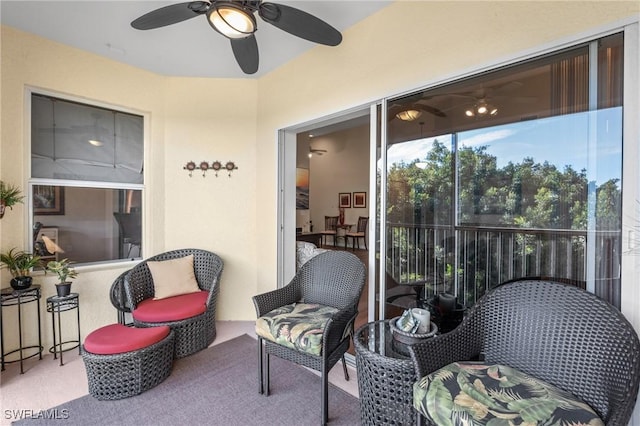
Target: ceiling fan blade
(433,110)
(300,24)
(168,15)
(246,52)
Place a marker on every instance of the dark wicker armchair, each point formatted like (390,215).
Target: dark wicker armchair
(192,333)
(553,332)
(318,306)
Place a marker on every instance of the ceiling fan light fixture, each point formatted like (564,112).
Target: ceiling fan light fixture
(409,115)
(231,20)
(481,109)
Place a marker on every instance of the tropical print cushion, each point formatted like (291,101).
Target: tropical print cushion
(298,326)
(474,393)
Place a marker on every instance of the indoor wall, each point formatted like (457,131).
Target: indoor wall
(342,168)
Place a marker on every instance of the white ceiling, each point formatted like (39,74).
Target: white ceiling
(190,48)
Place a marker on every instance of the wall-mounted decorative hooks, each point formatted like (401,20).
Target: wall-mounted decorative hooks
(216,166)
(230,166)
(191,166)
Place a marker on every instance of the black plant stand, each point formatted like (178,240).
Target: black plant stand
(56,305)
(11,297)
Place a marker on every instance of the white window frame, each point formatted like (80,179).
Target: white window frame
(29,181)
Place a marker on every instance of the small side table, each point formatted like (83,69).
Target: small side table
(385,377)
(11,297)
(56,305)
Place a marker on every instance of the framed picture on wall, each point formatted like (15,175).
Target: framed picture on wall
(344,200)
(302,189)
(360,200)
(48,200)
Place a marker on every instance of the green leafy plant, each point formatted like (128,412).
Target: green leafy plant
(19,262)
(10,194)
(62,268)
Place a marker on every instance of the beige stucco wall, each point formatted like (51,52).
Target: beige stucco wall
(189,119)
(208,120)
(406,45)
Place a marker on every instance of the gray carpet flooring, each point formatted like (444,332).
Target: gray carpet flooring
(217,386)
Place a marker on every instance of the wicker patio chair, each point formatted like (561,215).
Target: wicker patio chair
(118,298)
(192,333)
(556,333)
(318,306)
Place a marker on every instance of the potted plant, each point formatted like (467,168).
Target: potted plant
(64,271)
(9,195)
(19,263)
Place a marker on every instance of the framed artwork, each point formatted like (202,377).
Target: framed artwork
(302,189)
(360,200)
(48,199)
(344,199)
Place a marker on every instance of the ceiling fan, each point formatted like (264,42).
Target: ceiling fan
(482,101)
(316,151)
(236,21)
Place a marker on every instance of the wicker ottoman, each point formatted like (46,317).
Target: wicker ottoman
(125,361)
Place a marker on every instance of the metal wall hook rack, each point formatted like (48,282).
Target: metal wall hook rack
(204,166)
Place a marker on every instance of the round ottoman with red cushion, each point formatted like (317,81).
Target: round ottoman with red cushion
(125,361)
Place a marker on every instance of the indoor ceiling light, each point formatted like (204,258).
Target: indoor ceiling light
(231,20)
(95,142)
(409,114)
(481,109)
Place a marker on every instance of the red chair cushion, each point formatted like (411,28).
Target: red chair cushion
(117,338)
(174,308)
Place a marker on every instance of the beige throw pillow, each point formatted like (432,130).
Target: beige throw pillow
(173,277)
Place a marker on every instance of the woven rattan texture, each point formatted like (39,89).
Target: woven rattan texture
(131,373)
(555,332)
(192,334)
(385,385)
(332,278)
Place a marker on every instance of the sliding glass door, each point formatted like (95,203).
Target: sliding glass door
(513,173)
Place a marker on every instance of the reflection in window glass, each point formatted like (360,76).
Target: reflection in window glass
(509,174)
(86,225)
(75,141)
(536,174)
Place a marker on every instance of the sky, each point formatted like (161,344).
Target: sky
(561,140)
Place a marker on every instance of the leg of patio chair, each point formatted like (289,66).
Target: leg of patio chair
(325,393)
(266,375)
(344,367)
(260,367)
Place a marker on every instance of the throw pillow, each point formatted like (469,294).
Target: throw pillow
(173,277)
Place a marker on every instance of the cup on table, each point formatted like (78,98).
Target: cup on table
(446,302)
(423,317)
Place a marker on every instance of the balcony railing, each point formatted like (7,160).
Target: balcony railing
(468,261)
